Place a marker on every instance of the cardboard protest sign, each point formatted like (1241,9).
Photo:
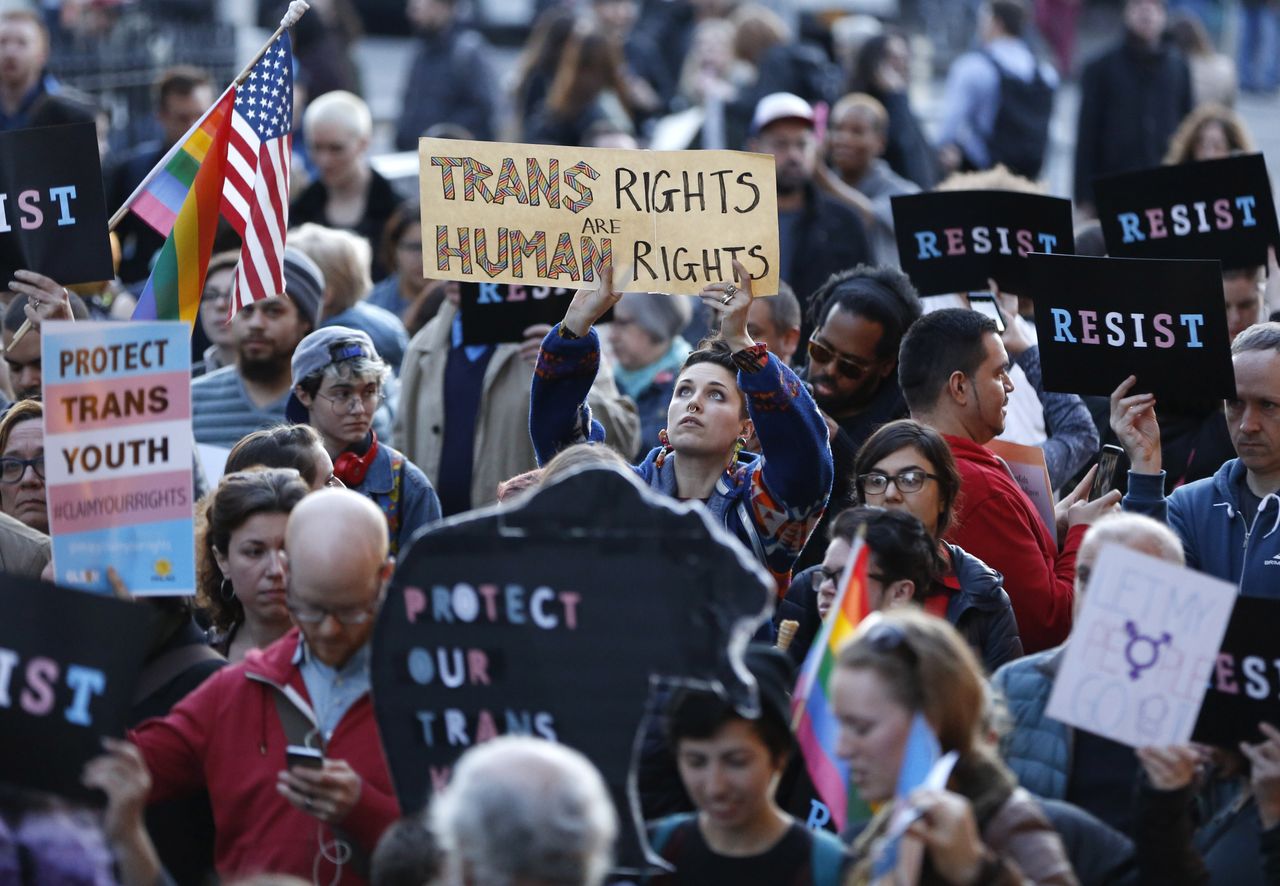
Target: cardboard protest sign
(118,454)
(1140,653)
(1219,209)
(68,665)
(1099,320)
(543,215)
(496,313)
(1031,473)
(954,241)
(554,619)
(53,216)
(1244,687)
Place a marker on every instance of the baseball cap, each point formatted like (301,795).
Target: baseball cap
(318,350)
(780,106)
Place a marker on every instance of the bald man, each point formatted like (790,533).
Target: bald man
(235,735)
(1042,751)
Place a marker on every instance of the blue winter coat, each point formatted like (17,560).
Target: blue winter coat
(1037,748)
(1206,516)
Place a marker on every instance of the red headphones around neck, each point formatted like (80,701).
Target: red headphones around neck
(351,468)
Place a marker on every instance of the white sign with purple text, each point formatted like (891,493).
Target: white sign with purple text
(1145,639)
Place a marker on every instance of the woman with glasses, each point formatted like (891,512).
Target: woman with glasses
(980,828)
(727,390)
(338,381)
(22,493)
(909,467)
(240,561)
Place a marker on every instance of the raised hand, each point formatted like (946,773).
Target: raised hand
(589,305)
(732,303)
(1133,419)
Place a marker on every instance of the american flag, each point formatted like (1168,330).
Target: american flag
(255,197)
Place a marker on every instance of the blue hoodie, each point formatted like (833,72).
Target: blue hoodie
(1206,516)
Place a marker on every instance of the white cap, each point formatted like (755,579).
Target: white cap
(780,106)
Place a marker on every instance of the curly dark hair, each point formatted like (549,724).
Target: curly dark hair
(238,497)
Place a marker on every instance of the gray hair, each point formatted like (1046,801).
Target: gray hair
(1134,530)
(524,809)
(353,369)
(1258,337)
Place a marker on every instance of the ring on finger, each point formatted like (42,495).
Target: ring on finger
(727,299)
(731,289)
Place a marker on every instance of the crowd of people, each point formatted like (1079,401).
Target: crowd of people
(846,409)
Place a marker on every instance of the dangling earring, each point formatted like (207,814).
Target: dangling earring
(666,448)
(733,453)
(228,592)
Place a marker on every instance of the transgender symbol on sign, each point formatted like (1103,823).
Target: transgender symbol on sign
(1152,648)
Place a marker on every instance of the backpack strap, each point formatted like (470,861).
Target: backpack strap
(391,510)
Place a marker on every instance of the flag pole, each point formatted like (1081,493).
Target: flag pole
(295,11)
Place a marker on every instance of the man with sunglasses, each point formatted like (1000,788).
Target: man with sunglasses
(859,317)
(338,383)
(310,688)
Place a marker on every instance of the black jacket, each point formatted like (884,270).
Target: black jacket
(1131,101)
(829,237)
(451,81)
(981,612)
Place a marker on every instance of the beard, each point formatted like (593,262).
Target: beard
(268,368)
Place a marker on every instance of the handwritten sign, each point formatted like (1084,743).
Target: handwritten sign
(541,215)
(1215,209)
(526,621)
(954,241)
(53,216)
(68,665)
(1099,320)
(1244,686)
(118,454)
(1142,649)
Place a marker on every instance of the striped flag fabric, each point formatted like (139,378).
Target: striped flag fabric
(812,717)
(173,290)
(255,196)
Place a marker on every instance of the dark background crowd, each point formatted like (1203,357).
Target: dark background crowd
(340,417)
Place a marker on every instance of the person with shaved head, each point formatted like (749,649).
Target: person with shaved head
(318,814)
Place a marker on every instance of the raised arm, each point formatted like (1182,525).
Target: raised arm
(566,368)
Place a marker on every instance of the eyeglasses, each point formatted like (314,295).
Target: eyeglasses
(12,469)
(820,353)
(346,402)
(348,615)
(824,575)
(876,482)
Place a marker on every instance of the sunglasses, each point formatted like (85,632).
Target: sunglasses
(820,353)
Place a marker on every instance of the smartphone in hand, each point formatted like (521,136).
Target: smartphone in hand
(1105,479)
(303,756)
(985,303)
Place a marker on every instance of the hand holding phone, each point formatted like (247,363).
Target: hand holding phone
(301,755)
(1105,478)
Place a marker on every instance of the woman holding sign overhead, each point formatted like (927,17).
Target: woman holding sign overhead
(729,390)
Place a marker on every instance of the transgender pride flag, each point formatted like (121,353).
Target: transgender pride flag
(813,720)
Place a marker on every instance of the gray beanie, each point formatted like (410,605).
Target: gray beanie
(662,316)
(303,283)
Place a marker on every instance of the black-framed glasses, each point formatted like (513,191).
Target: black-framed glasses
(824,575)
(345,402)
(910,480)
(12,469)
(347,615)
(821,353)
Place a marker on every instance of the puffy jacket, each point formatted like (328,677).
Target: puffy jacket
(771,502)
(981,612)
(1037,748)
(1206,516)
(227,736)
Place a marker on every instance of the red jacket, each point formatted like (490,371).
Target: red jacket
(227,736)
(996,522)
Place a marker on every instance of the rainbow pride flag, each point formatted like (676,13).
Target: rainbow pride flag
(812,718)
(195,174)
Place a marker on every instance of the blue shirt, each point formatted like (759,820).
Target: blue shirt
(332,692)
